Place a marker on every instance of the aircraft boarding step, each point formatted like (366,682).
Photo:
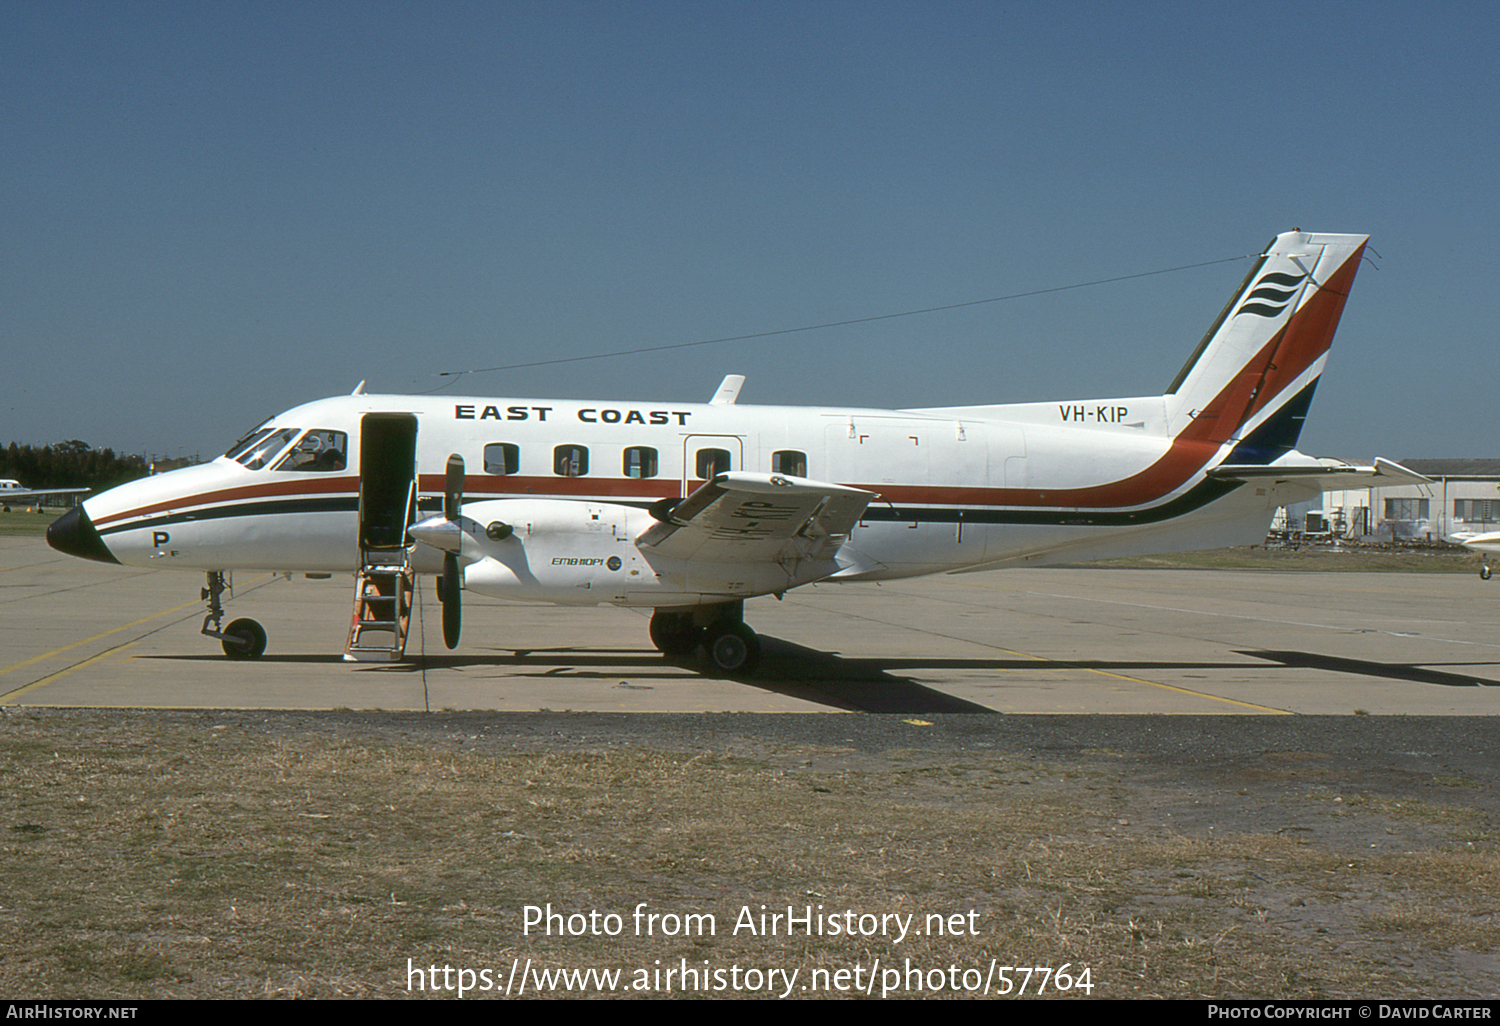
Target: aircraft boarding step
(382,608)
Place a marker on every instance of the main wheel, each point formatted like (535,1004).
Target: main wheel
(1484,573)
(733,648)
(251,633)
(674,634)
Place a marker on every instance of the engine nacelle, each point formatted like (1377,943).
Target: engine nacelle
(584,553)
(572,553)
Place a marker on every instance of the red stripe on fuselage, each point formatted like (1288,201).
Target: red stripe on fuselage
(259,490)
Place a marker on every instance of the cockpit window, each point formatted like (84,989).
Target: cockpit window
(259,450)
(238,448)
(318,451)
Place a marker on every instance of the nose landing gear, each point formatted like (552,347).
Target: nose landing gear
(242,639)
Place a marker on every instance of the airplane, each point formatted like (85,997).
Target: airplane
(12,491)
(1483,543)
(692,508)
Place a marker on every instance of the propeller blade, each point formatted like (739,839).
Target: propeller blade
(453,490)
(453,502)
(452,604)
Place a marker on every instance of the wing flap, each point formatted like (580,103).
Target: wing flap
(753,518)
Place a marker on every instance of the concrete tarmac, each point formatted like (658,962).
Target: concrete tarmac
(80,634)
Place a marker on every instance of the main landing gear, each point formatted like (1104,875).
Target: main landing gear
(730,647)
(242,639)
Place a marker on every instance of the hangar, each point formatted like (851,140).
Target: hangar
(1464,496)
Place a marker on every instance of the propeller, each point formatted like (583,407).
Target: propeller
(453,500)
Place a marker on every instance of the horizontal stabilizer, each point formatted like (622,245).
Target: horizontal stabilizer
(757,517)
(1328,475)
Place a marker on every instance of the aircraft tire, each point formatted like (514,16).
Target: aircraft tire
(250,631)
(733,649)
(1484,573)
(674,634)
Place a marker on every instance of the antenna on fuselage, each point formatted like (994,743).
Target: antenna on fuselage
(359,389)
(729,390)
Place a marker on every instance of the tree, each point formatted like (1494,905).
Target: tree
(69,464)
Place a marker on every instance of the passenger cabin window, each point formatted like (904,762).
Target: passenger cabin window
(317,452)
(502,458)
(712,462)
(789,461)
(570,460)
(640,461)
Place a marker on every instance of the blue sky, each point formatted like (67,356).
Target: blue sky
(215,211)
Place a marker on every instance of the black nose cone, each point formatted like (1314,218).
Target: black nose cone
(74,533)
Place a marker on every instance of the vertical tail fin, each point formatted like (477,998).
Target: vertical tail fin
(1251,379)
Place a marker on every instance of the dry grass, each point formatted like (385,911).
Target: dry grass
(147,856)
(1443,559)
(22,522)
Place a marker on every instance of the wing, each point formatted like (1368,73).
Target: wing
(757,518)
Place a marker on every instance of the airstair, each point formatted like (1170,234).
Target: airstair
(383,588)
(382,607)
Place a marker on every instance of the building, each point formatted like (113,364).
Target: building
(1464,496)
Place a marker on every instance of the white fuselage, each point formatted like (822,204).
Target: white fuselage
(958,489)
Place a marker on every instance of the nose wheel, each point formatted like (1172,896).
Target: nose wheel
(242,639)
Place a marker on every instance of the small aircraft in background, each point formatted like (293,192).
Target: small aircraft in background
(1482,543)
(690,509)
(11,492)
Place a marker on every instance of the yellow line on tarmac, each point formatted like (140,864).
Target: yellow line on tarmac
(258,582)
(28,688)
(1075,666)
(96,637)
(1197,694)
(1152,683)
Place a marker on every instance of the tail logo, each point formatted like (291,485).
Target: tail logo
(1271,295)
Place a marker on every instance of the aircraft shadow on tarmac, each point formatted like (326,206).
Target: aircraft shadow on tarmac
(794,671)
(861,684)
(1385,671)
(853,685)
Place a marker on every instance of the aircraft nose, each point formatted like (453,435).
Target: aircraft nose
(74,534)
